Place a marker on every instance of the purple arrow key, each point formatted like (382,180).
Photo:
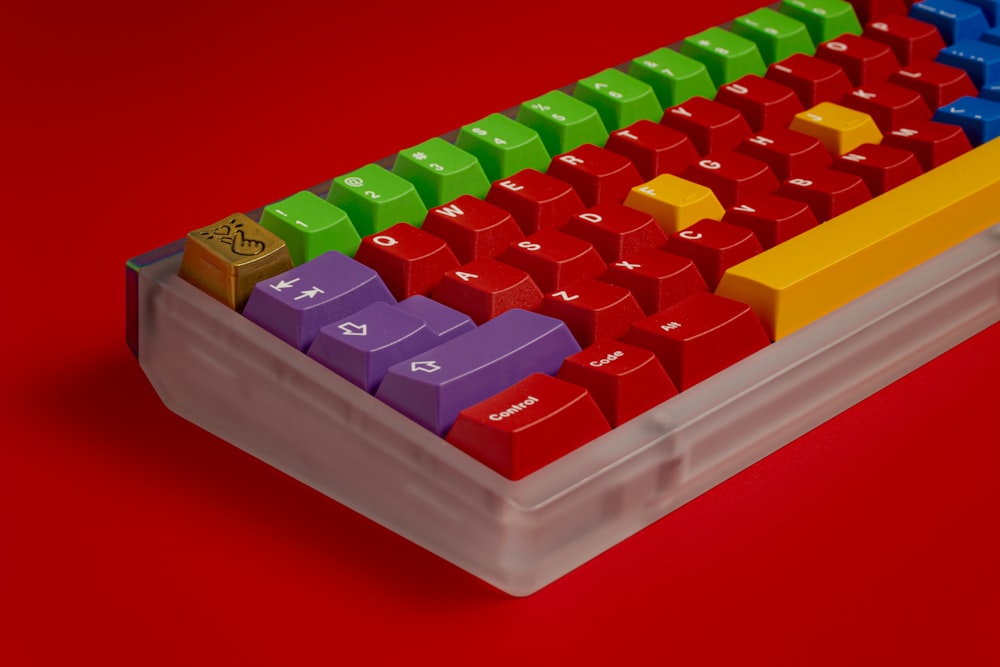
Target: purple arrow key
(444,321)
(294,305)
(434,386)
(362,346)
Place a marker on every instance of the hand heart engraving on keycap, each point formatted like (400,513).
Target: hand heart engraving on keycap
(242,245)
(222,230)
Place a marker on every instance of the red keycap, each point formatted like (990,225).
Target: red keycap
(938,84)
(933,143)
(472,228)
(874,9)
(714,246)
(656,279)
(554,259)
(788,153)
(911,40)
(529,425)
(536,200)
(484,288)
(593,310)
(409,259)
(772,219)
(889,105)
(812,79)
(710,125)
(827,192)
(597,174)
(654,149)
(624,380)
(699,336)
(863,60)
(732,176)
(880,167)
(616,231)
(764,103)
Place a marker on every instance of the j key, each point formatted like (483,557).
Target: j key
(732,176)
(536,200)
(529,425)
(864,61)
(656,278)
(979,59)
(813,80)
(624,380)
(932,143)
(616,231)
(911,40)
(433,386)
(714,246)
(827,192)
(880,167)
(593,309)
(409,259)
(485,288)
(699,336)
(889,105)
(764,103)
(472,228)
(296,304)
(711,126)
(956,20)
(937,83)
(554,259)
(979,118)
(772,219)
(654,149)
(598,174)
(786,152)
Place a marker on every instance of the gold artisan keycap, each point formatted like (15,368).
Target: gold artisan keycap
(675,202)
(806,277)
(838,128)
(227,259)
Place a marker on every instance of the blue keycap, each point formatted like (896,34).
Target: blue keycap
(444,322)
(364,345)
(979,59)
(431,388)
(978,117)
(991,93)
(991,9)
(991,36)
(955,20)
(296,304)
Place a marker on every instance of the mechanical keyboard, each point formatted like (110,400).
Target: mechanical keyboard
(522,342)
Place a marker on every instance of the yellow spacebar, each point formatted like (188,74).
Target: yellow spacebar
(808,276)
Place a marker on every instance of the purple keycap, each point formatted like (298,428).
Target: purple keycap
(444,321)
(434,386)
(296,304)
(362,346)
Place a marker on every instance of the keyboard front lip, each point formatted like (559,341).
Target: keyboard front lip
(514,534)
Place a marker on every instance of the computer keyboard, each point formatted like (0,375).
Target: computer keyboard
(522,342)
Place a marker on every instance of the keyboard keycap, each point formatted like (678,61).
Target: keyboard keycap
(597,174)
(788,153)
(714,246)
(776,35)
(503,146)
(616,231)
(726,55)
(827,192)
(444,323)
(441,171)
(434,386)
(813,80)
(825,19)
(310,226)
(869,10)
(936,83)
(838,128)
(864,61)
(955,20)
(592,309)
(554,259)
(764,103)
(772,219)
(563,122)
(657,279)
(375,199)
(619,98)
(409,260)
(732,176)
(528,426)
(536,200)
(473,228)
(980,60)
(674,202)
(653,148)
(932,143)
(889,105)
(484,288)
(978,117)
(911,40)
(880,167)
(674,77)
(710,125)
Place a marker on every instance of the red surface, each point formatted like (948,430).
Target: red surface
(128,536)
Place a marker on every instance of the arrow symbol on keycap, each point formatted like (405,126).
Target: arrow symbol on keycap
(352,329)
(311,293)
(284,284)
(425,366)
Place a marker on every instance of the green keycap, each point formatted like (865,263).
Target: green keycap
(727,56)
(503,146)
(310,226)
(824,19)
(441,172)
(619,98)
(776,35)
(376,199)
(563,122)
(675,78)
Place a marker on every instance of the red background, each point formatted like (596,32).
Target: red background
(131,537)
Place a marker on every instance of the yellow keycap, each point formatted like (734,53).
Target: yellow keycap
(674,202)
(808,276)
(838,128)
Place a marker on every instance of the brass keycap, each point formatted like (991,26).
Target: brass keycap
(227,259)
